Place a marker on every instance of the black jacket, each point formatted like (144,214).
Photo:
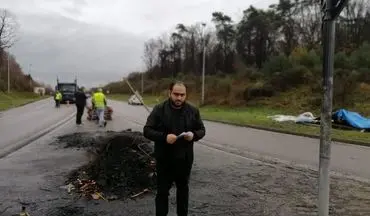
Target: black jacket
(80,98)
(164,120)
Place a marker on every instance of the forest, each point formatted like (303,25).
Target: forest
(19,81)
(271,57)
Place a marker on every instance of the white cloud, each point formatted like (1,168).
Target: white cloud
(137,16)
(95,37)
(155,17)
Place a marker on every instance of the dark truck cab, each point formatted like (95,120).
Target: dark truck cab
(67,90)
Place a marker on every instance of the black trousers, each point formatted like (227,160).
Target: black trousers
(57,103)
(168,172)
(80,112)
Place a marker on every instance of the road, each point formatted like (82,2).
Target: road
(351,160)
(230,176)
(24,122)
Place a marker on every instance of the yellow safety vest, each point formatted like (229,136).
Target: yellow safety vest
(98,100)
(58,96)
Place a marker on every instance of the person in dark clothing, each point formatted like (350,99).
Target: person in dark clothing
(80,104)
(174,125)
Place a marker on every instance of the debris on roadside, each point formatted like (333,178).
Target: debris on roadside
(89,189)
(141,193)
(123,166)
(341,119)
(306,117)
(69,187)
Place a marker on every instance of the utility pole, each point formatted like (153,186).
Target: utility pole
(29,72)
(331,9)
(142,83)
(204,63)
(8,71)
(139,97)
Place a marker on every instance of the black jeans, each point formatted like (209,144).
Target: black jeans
(169,171)
(57,103)
(80,112)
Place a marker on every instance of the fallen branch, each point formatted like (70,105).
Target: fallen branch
(139,194)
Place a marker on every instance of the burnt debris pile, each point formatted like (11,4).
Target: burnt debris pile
(122,164)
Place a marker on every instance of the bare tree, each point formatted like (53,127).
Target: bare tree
(8,29)
(150,54)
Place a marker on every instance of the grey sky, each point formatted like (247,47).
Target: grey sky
(100,42)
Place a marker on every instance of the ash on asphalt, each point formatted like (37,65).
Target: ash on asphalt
(120,162)
(70,211)
(221,183)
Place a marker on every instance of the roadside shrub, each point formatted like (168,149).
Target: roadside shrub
(257,91)
(291,78)
(345,84)
(255,76)
(363,75)
(3,86)
(361,57)
(309,59)
(342,61)
(276,64)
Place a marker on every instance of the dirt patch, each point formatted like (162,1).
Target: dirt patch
(70,211)
(121,164)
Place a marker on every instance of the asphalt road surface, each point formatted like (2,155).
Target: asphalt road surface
(24,122)
(232,176)
(346,159)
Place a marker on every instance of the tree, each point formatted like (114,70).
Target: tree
(8,29)
(225,34)
(260,35)
(150,54)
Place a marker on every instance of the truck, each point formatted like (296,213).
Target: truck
(68,90)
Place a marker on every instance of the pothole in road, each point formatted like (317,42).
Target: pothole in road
(121,165)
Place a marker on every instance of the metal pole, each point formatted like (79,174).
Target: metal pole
(142,83)
(29,72)
(137,95)
(204,64)
(8,72)
(326,110)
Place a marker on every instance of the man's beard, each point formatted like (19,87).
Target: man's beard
(175,105)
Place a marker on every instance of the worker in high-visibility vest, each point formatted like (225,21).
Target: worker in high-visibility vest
(99,102)
(57,98)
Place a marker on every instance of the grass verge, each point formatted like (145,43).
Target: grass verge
(257,117)
(15,99)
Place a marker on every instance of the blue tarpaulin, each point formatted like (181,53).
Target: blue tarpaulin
(352,119)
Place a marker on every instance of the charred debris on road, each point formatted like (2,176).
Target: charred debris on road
(121,165)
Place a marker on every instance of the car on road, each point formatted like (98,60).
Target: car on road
(134,100)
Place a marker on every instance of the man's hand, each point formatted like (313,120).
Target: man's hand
(171,138)
(189,136)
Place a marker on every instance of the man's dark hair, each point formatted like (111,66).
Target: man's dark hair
(176,83)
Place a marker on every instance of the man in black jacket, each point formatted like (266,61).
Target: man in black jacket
(174,126)
(80,104)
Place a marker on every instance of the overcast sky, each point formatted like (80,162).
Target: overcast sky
(100,41)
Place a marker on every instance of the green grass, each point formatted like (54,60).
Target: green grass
(15,99)
(258,117)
